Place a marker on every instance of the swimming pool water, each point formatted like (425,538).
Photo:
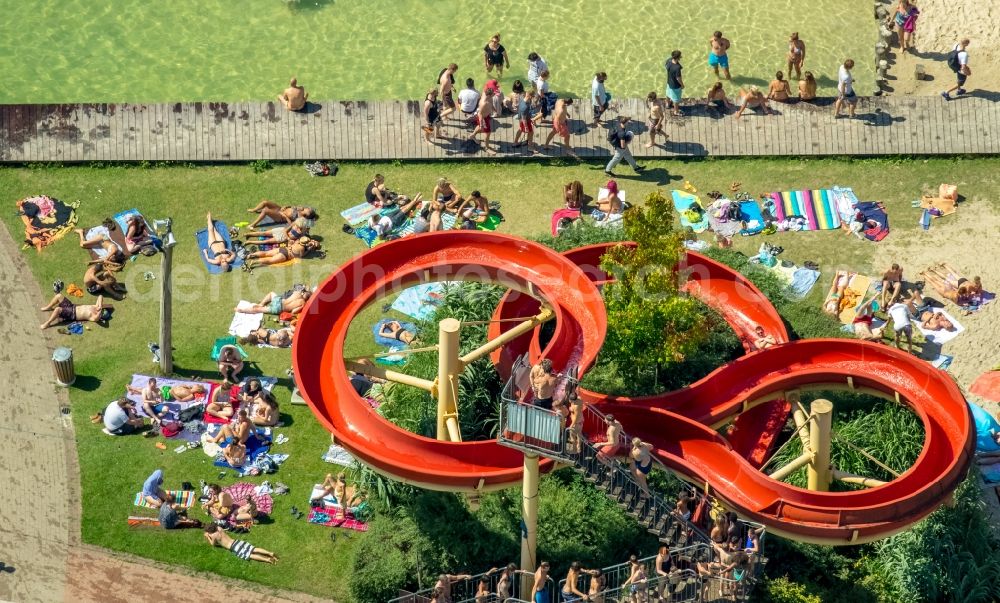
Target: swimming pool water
(54,51)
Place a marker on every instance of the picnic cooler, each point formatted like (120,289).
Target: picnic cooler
(62,365)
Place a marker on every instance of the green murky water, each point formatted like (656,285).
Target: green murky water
(180,50)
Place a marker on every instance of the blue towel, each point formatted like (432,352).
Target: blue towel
(121,218)
(419,301)
(749,211)
(366,234)
(255,448)
(925,220)
(386,341)
(202,237)
(803,280)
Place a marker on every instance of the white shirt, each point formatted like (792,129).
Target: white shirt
(846,85)
(469,99)
(115,416)
(900,316)
(597,93)
(535,68)
(963,55)
(383,226)
(543,86)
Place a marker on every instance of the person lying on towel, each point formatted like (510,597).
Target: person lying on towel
(279,255)
(221,256)
(841,280)
(277,338)
(63,310)
(394,330)
(291,301)
(862,324)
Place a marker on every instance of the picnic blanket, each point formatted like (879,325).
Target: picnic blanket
(184,498)
(174,408)
(942,336)
(370,238)
(727,228)
(255,448)
(420,301)
(242,491)
(338,456)
(987,386)
(99,253)
(684,201)
(359,214)
(803,280)
(324,518)
(874,211)
(386,341)
(46,220)
(202,238)
(819,207)
(854,296)
(751,215)
(243,323)
(121,218)
(944,207)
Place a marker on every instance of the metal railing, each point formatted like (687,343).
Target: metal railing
(533,428)
(464,590)
(615,575)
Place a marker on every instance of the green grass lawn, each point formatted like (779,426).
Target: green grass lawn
(113,469)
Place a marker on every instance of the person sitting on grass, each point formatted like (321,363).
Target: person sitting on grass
(478,209)
(240,431)
(862,323)
(347,498)
(120,418)
(221,405)
(446,193)
(153,493)
(174,519)
(278,235)
(762,340)
(265,411)
(247,512)
(235,454)
(892,285)
(152,400)
(752,99)
(221,256)
(611,207)
(230,363)
(297,249)
(242,549)
(219,504)
(138,239)
(291,301)
(393,329)
(385,225)
(98,280)
(63,310)
(250,392)
(268,210)
(276,338)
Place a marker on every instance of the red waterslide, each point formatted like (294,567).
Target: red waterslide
(676,423)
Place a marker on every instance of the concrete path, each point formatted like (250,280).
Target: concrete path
(40,511)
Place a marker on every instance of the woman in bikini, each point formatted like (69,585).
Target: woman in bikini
(642,462)
(138,238)
(394,330)
(294,231)
(840,282)
(219,504)
(807,87)
(935,321)
(276,338)
(265,411)
(221,255)
(446,194)
(279,255)
(281,214)
(655,120)
(221,404)
(779,90)
(796,55)
(240,548)
(950,284)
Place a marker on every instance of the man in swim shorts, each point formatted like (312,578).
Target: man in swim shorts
(63,310)
(675,83)
(612,445)
(718,57)
(484,121)
(294,97)
(242,549)
(539,594)
(901,314)
(543,383)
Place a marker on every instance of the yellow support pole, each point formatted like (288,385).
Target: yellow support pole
(449,367)
(544,315)
(850,478)
(377,371)
(803,459)
(819,473)
(529,513)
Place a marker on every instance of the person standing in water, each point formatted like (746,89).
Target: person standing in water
(719,57)
(796,55)
(495,55)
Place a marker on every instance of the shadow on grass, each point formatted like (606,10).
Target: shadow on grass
(87,383)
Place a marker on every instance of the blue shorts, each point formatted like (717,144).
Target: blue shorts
(715,60)
(674,94)
(542,597)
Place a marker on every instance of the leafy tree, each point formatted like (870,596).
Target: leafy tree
(649,321)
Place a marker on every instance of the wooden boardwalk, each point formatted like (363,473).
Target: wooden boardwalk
(386,130)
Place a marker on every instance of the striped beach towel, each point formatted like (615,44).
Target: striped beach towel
(818,207)
(184,498)
(359,214)
(329,519)
(368,236)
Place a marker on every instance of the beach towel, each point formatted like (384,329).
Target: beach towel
(121,218)
(943,361)
(874,211)
(202,238)
(803,280)
(727,228)
(696,245)
(942,336)
(684,201)
(242,491)
(338,456)
(135,521)
(173,407)
(987,386)
(184,498)
(386,341)
(329,519)
(752,217)
(359,214)
(944,207)
(986,425)
(46,220)
(222,342)
(984,299)
(845,201)
(420,301)
(255,448)
(99,253)
(267,383)
(854,296)
(819,207)
(370,238)
(243,323)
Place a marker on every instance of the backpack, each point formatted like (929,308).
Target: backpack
(952,61)
(613,136)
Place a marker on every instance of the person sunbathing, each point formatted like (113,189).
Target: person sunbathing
(892,285)
(235,454)
(279,234)
(265,411)
(222,256)
(240,431)
(951,285)
(247,511)
(279,255)
(612,207)
(347,497)
(138,239)
(276,338)
(269,210)
(840,282)
(763,341)
(63,310)
(394,330)
(221,405)
(385,224)
(862,323)
(291,301)
(242,549)
(219,504)
(230,363)
(936,321)
(111,249)
(98,280)
(151,398)
(184,393)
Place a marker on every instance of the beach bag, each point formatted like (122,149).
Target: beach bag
(169,429)
(952,61)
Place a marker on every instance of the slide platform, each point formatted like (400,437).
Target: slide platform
(678,424)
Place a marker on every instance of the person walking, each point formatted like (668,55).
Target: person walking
(796,55)
(845,90)
(656,119)
(560,125)
(484,120)
(536,65)
(495,55)
(958,61)
(525,125)
(431,116)
(675,83)
(718,56)
(446,89)
(619,138)
(599,96)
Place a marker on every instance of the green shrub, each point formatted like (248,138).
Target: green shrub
(783,590)
(580,234)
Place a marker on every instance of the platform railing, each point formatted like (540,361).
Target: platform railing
(464,591)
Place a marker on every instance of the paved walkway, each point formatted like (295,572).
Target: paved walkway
(40,513)
(247,131)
